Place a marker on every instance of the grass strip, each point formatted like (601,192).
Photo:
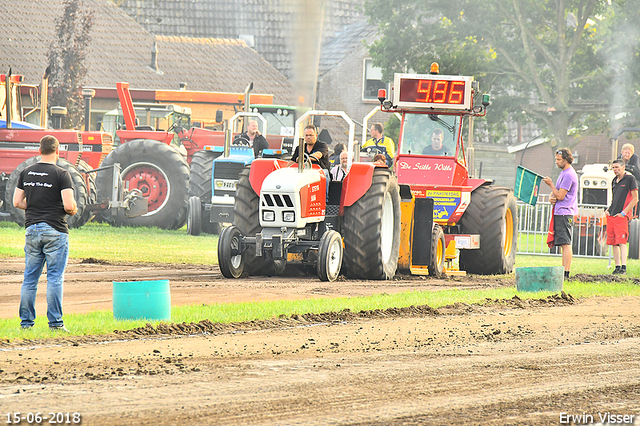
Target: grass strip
(104,242)
(102,322)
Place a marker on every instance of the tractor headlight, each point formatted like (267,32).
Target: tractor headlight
(268,216)
(603,183)
(288,216)
(586,182)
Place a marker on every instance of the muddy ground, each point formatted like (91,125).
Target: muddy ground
(509,362)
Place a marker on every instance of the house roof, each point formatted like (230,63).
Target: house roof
(120,50)
(344,44)
(268,25)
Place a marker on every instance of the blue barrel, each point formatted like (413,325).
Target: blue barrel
(142,300)
(540,278)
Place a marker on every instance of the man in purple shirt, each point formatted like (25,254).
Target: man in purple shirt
(564,197)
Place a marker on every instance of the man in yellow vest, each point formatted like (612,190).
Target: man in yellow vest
(382,143)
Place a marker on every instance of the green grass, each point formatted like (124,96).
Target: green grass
(105,242)
(159,246)
(102,322)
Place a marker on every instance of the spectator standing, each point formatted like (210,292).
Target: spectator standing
(45,192)
(625,197)
(631,160)
(382,143)
(339,171)
(253,138)
(564,198)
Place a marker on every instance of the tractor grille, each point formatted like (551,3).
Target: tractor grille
(594,196)
(228,170)
(273,200)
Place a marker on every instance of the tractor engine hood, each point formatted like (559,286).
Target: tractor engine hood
(292,199)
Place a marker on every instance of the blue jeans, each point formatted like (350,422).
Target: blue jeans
(43,244)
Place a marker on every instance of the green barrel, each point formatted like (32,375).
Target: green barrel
(540,278)
(142,300)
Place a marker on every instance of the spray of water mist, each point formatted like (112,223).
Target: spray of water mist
(618,64)
(305,47)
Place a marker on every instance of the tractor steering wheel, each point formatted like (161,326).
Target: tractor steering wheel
(307,162)
(241,140)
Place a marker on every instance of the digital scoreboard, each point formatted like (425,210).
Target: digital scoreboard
(432,91)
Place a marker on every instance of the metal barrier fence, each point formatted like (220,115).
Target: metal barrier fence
(589,233)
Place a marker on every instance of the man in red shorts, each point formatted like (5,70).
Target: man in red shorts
(625,197)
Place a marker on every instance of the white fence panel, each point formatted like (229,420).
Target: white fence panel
(589,233)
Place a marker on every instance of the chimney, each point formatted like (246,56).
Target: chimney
(154,56)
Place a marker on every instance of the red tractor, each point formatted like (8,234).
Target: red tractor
(80,152)
(472,220)
(166,166)
(283,214)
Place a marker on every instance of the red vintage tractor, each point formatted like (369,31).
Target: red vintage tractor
(166,166)
(80,152)
(283,214)
(472,220)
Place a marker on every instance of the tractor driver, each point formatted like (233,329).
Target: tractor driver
(253,138)
(318,151)
(436,147)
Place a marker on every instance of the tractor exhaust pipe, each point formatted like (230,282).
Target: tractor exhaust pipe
(247,105)
(87,94)
(8,98)
(44,98)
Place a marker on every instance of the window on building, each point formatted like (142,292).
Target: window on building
(372,81)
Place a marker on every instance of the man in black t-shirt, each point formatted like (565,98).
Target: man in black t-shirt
(45,192)
(625,197)
(318,151)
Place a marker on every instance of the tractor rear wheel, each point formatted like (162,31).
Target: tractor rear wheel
(230,257)
(438,248)
(159,172)
(79,192)
(200,186)
(330,256)
(246,211)
(634,239)
(371,230)
(492,214)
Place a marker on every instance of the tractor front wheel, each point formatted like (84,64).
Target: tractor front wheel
(194,216)
(492,214)
(230,256)
(200,185)
(330,256)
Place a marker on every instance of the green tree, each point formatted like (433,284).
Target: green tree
(67,56)
(565,64)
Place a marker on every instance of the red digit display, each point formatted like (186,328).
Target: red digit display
(443,92)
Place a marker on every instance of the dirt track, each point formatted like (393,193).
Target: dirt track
(504,363)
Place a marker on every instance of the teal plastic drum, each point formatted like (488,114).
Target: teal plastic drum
(540,278)
(142,300)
